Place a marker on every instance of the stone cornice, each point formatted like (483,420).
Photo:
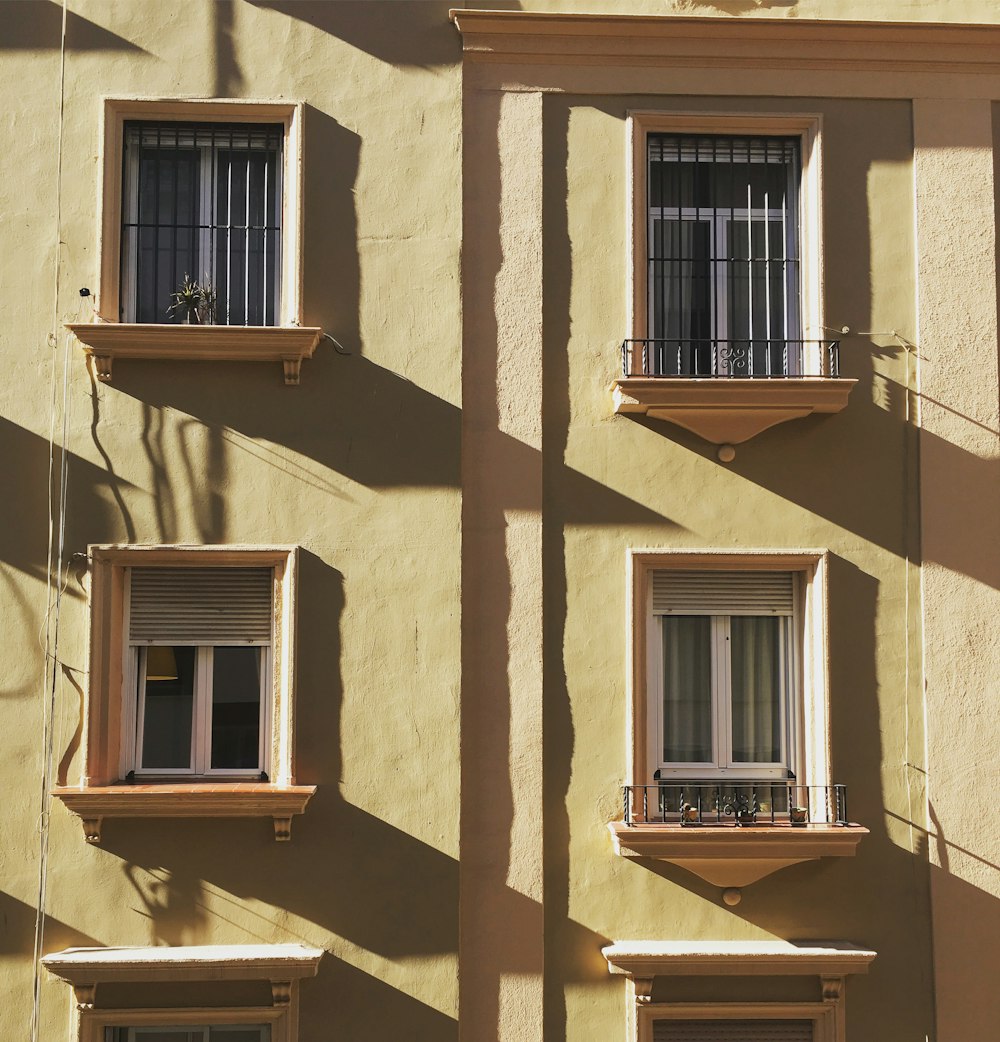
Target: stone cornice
(783,43)
(743,958)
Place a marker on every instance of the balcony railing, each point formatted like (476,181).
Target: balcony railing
(757,359)
(739,803)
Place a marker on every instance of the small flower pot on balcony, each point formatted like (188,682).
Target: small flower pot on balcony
(799,816)
(690,815)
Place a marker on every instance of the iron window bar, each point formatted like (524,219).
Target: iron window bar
(757,359)
(722,236)
(735,803)
(203,201)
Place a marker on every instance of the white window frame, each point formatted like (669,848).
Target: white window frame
(201,718)
(789,701)
(118,111)
(808,713)
(808,128)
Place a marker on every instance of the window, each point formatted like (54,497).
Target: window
(190,704)
(730,1031)
(724,678)
(729,677)
(726,246)
(201,205)
(729,716)
(815,1014)
(214,1033)
(199,652)
(723,255)
(726,276)
(200,235)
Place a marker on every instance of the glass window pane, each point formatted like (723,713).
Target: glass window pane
(687,689)
(240,1033)
(755,650)
(169,707)
(236,709)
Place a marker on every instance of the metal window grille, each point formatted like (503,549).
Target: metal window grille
(203,201)
(723,255)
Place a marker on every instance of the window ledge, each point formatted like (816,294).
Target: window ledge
(642,960)
(727,411)
(730,856)
(85,968)
(106,341)
(197,800)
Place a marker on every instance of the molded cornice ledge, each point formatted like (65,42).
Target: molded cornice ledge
(729,410)
(106,341)
(197,800)
(281,964)
(647,959)
(522,36)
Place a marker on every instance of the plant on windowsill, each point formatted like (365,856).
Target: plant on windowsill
(798,816)
(194,302)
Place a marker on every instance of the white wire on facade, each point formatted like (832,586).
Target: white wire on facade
(49,667)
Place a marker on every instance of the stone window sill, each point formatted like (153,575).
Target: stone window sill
(728,411)
(729,856)
(106,341)
(197,800)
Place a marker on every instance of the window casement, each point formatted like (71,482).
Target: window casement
(724,673)
(726,333)
(722,242)
(728,715)
(200,234)
(199,671)
(129,994)
(190,1033)
(203,202)
(190,706)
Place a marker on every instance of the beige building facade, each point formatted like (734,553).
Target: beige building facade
(505,531)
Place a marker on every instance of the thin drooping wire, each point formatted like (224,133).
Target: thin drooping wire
(52,612)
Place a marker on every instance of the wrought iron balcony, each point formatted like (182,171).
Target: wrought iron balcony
(735,803)
(756,359)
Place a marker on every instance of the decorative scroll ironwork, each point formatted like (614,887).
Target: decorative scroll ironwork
(735,803)
(756,359)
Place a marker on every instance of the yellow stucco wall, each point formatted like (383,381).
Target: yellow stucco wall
(469,741)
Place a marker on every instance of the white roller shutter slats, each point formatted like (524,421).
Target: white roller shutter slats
(722,593)
(209,606)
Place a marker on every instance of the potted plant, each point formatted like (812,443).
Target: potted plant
(194,302)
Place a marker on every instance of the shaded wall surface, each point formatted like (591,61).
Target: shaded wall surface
(464,500)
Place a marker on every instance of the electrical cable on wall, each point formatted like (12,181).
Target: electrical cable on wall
(55,547)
